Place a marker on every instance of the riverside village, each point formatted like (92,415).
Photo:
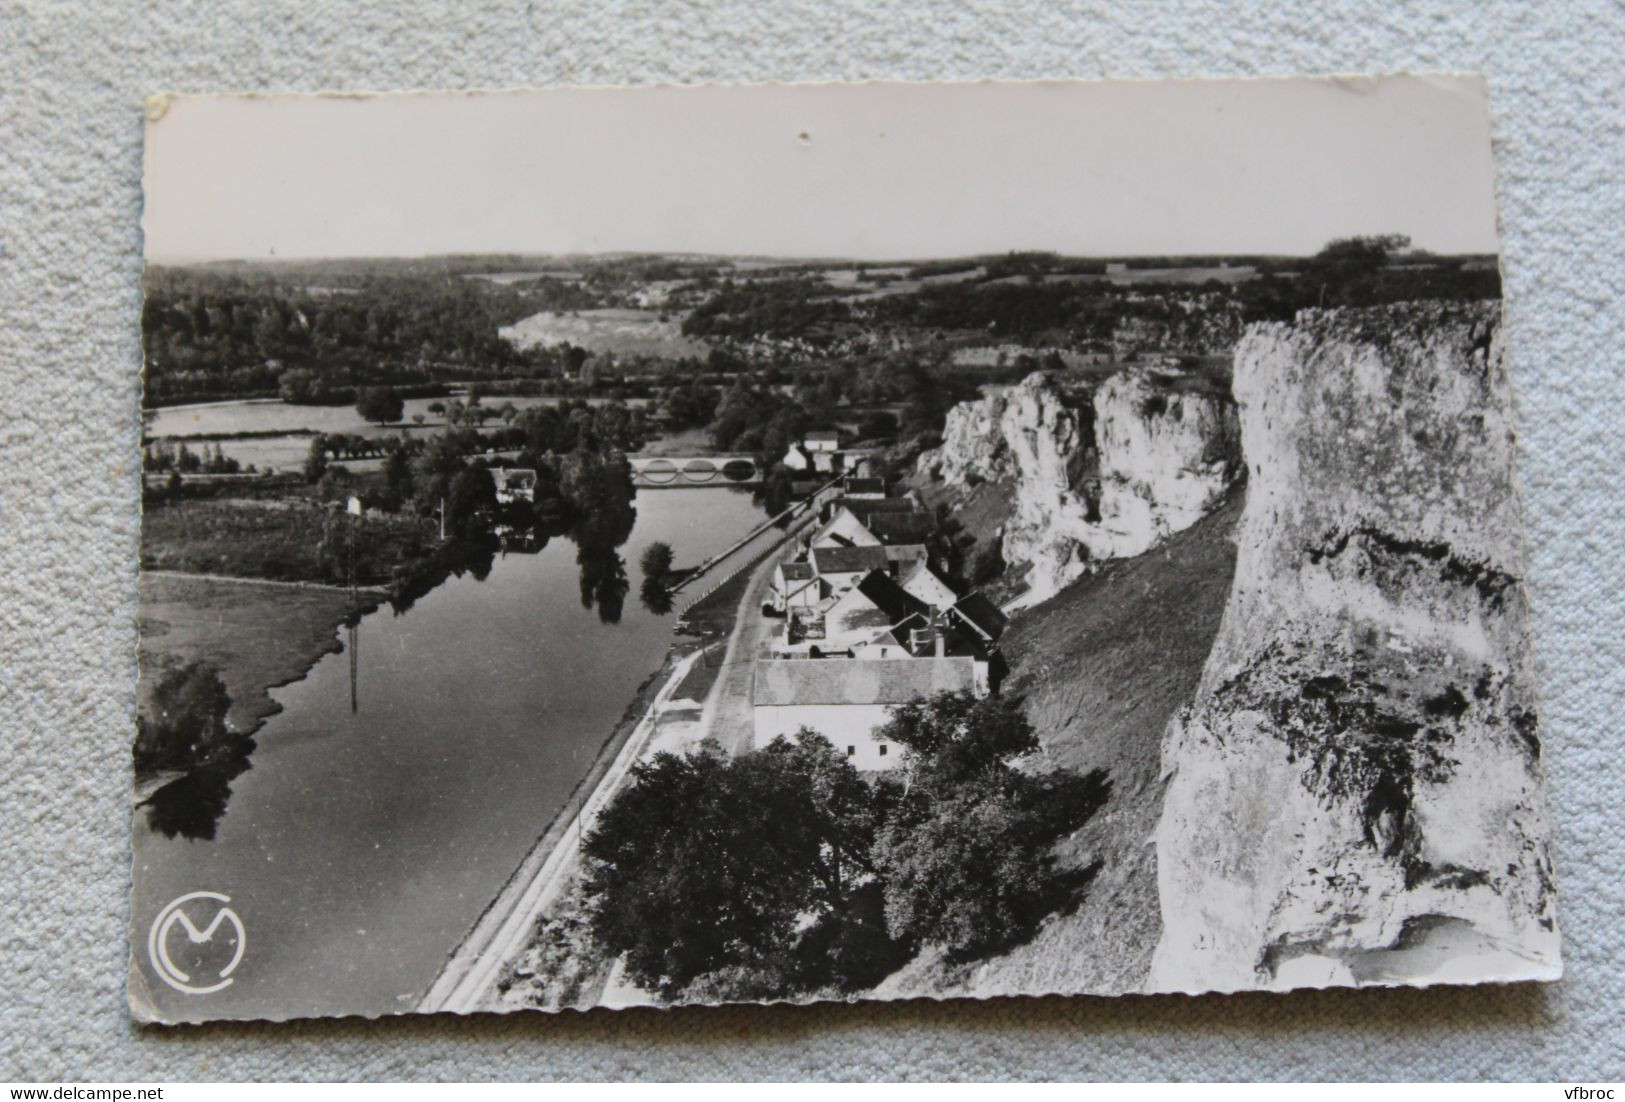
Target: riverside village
(545,630)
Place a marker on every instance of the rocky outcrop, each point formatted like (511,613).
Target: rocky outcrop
(1355,794)
(1093,472)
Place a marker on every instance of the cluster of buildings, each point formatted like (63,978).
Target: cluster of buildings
(868,622)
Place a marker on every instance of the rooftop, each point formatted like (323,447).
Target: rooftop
(848,560)
(982,616)
(796,571)
(891,598)
(858,681)
(864,507)
(902,528)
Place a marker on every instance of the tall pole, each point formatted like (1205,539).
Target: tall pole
(355,624)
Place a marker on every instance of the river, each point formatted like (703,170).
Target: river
(359,848)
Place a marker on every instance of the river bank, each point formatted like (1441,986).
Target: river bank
(469,979)
(259,635)
(674,709)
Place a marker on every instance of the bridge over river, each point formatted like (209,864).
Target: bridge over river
(694,470)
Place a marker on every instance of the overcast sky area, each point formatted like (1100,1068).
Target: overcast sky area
(878,171)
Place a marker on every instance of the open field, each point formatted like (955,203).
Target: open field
(257,635)
(275,539)
(621,332)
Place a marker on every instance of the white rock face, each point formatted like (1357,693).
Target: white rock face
(1355,796)
(1098,475)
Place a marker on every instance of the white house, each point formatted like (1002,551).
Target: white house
(797,459)
(514,484)
(822,441)
(848,699)
(795,586)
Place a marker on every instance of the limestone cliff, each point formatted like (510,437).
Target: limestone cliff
(1355,794)
(1093,472)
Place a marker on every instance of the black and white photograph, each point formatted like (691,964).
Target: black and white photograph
(615,547)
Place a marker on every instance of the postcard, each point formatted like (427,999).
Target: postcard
(660,546)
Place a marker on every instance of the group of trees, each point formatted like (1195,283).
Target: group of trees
(166,455)
(182,737)
(784,871)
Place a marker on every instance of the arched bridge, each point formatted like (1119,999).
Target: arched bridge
(695,470)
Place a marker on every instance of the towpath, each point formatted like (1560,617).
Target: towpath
(468,980)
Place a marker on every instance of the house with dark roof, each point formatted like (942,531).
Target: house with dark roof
(848,699)
(877,619)
(901,528)
(840,568)
(979,617)
(863,507)
(866,489)
(846,519)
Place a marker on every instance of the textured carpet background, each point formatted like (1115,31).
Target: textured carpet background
(70,153)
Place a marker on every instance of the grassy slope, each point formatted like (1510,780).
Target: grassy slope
(1101,668)
(257,636)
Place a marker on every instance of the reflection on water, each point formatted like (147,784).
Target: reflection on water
(192,806)
(361,846)
(182,735)
(603,581)
(656,598)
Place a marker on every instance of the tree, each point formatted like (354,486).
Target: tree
(1346,271)
(965,854)
(954,735)
(706,865)
(186,723)
(398,474)
(183,734)
(472,492)
(316,459)
(656,560)
(876,425)
(433,470)
(379,404)
(298,384)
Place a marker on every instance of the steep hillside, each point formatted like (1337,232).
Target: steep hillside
(1101,668)
(1356,795)
(1092,470)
